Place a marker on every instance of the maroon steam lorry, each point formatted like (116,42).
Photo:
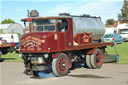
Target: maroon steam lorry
(62,41)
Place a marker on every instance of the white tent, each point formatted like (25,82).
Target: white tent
(12,28)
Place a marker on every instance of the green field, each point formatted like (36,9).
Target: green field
(12,57)
(122,50)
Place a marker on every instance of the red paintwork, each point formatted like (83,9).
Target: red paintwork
(60,65)
(91,51)
(64,38)
(70,62)
(29,19)
(100,59)
(61,44)
(58,53)
(40,42)
(92,45)
(83,38)
(103,52)
(7,45)
(55,54)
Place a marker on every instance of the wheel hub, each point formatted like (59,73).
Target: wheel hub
(62,65)
(98,59)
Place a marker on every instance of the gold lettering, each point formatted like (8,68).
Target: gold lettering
(85,38)
(36,39)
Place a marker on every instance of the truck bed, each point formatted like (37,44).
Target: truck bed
(92,45)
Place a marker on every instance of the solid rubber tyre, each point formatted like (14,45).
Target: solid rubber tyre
(88,61)
(1,56)
(60,65)
(97,59)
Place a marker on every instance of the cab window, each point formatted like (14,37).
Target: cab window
(62,25)
(44,25)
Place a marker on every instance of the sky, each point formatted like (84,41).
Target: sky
(17,9)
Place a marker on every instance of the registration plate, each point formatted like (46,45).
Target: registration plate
(107,40)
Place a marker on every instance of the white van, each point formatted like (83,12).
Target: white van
(123,30)
(10,38)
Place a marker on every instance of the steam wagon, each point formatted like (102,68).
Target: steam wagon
(62,41)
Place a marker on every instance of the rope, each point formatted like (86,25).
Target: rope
(117,55)
(115,50)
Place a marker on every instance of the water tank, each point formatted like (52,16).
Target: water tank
(88,24)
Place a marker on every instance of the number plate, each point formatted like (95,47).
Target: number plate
(107,40)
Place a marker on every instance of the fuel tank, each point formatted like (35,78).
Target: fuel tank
(88,24)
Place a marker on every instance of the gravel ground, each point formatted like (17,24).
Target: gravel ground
(110,74)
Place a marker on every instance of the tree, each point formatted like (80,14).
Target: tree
(124,12)
(7,21)
(110,22)
(125,9)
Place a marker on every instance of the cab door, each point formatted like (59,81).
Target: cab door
(65,34)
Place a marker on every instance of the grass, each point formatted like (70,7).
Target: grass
(12,57)
(122,50)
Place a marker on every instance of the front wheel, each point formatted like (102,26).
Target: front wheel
(1,56)
(60,65)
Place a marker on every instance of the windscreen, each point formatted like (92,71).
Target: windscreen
(108,36)
(44,25)
(123,31)
(26,25)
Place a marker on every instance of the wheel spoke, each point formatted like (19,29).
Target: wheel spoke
(98,59)
(61,66)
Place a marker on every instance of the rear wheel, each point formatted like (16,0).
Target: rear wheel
(60,65)
(97,59)
(88,61)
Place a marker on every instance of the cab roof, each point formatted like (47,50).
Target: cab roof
(52,17)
